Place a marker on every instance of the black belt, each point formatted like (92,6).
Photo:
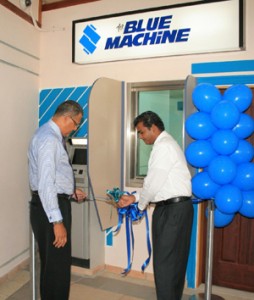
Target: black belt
(59,195)
(172,201)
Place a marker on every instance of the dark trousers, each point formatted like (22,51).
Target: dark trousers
(171,232)
(55,262)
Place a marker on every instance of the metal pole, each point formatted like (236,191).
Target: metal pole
(209,251)
(209,255)
(33,269)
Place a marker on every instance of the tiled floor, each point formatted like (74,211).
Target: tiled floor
(106,285)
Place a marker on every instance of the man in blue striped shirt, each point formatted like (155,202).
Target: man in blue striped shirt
(52,184)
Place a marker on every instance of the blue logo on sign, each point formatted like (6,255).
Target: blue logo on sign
(89,39)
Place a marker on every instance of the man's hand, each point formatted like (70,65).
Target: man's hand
(79,195)
(60,235)
(126,200)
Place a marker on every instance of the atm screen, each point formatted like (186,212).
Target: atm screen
(79,157)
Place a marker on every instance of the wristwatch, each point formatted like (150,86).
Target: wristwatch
(58,222)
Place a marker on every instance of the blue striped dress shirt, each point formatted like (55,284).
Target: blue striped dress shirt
(50,172)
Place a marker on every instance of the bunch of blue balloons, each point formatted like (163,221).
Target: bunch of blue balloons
(220,150)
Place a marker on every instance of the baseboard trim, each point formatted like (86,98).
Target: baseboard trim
(11,274)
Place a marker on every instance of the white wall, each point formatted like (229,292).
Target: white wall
(19,76)
(56,49)
(57,70)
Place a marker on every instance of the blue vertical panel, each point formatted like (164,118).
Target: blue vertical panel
(191,267)
(45,104)
(78,92)
(45,93)
(109,237)
(50,99)
(82,99)
(189,108)
(49,105)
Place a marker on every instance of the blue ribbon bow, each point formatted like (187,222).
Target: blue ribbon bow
(132,214)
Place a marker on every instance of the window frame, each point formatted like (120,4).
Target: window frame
(131,144)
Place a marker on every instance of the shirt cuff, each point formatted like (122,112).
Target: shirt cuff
(54,216)
(141,206)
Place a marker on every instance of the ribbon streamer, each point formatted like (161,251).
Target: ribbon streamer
(197,200)
(132,214)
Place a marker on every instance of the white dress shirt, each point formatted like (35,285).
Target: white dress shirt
(168,175)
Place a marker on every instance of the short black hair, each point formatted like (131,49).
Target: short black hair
(69,107)
(149,118)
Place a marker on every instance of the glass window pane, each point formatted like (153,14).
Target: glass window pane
(168,104)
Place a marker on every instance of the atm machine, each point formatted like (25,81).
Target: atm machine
(77,149)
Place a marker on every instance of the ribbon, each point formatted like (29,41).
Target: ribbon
(196,201)
(116,194)
(132,214)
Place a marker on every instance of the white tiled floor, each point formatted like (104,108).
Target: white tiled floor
(106,285)
(14,283)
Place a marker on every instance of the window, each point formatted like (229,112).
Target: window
(165,99)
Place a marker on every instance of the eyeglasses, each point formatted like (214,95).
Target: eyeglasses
(75,123)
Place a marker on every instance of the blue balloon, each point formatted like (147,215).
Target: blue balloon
(243,153)
(200,153)
(221,219)
(205,96)
(228,199)
(245,126)
(247,208)
(224,142)
(222,169)
(240,95)
(203,187)
(199,126)
(244,178)
(225,115)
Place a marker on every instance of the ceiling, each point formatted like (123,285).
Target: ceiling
(50,1)
(55,1)
(54,4)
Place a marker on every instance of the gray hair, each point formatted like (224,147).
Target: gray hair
(69,107)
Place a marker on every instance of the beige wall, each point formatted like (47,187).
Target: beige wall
(19,68)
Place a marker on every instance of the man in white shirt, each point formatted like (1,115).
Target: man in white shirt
(168,186)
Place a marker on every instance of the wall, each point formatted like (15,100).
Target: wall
(19,77)
(57,70)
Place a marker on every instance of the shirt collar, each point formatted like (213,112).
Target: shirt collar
(160,136)
(56,129)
